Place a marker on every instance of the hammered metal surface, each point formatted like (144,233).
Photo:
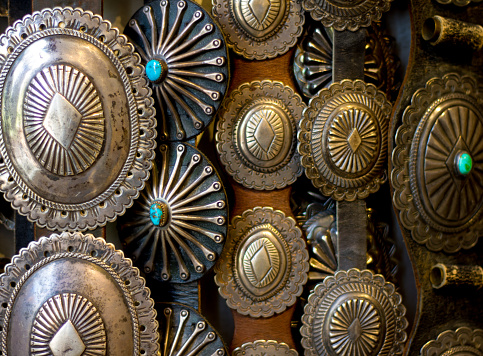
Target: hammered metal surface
(343,140)
(74,294)
(346,14)
(186,332)
(458,2)
(256,135)
(264,347)
(462,342)
(183,38)
(76,139)
(259,29)
(264,265)
(440,207)
(190,235)
(354,313)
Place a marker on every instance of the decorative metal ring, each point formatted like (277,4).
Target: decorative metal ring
(437,175)
(260,29)
(256,135)
(264,347)
(354,313)
(80,172)
(75,292)
(463,341)
(342,140)
(186,62)
(264,266)
(182,209)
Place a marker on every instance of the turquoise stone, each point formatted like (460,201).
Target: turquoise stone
(156,213)
(464,164)
(154,70)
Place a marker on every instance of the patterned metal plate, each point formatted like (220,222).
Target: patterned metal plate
(76,139)
(462,342)
(74,294)
(438,164)
(256,135)
(264,266)
(266,348)
(354,313)
(343,140)
(186,63)
(177,229)
(260,29)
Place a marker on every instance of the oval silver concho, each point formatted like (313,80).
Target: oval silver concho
(256,135)
(461,342)
(264,266)
(77,139)
(260,29)
(75,293)
(264,347)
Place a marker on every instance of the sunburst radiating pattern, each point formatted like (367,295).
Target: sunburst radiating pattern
(182,42)
(178,226)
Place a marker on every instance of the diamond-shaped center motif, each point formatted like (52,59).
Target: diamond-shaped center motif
(264,134)
(261,263)
(67,342)
(259,8)
(355,330)
(62,120)
(451,161)
(354,140)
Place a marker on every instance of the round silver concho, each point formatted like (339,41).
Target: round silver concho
(462,342)
(256,135)
(75,294)
(264,265)
(343,139)
(77,122)
(263,347)
(354,313)
(260,29)
(439,200)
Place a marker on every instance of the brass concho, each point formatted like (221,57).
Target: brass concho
(346,14)
(354,313)
(264,347)
(264,265)
(77,121)
(73,294)
(462,342)
(260,29)
(437,177)
(256,135)
(342,140)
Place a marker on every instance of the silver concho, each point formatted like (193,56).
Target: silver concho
(354,313)
(177,228)
(260,29)
(343,139)
(346,14)
(263,347)
(77,138)
(439,198)
(186,332)
(264,266)
(256,135)
(74,294)
(186,47)
(462,342)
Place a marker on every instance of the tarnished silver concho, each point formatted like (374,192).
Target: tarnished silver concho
(437,171)
(264,265)
(343,139)
(256,135)
(186,332)
(462,342)
(177,228)
(263,347)
(74,294)
(260,29)
(186,62)
(354,313)
(77,122)
(346,14)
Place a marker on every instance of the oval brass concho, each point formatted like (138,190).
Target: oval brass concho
(256,135)
(264,265)
(77,139)
(461,342)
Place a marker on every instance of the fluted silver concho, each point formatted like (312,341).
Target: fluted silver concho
(77,123)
